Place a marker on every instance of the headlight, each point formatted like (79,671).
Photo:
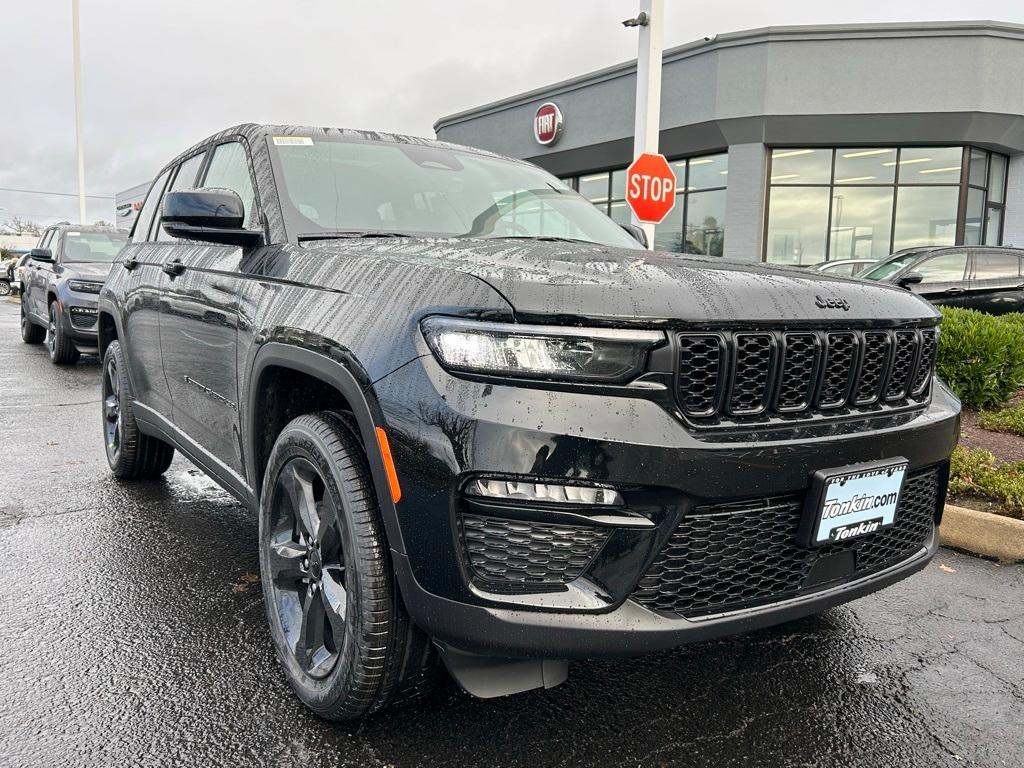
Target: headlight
(539,351)
(83,286)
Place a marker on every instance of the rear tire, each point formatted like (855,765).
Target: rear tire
(62,349)
(130,454)
(30,332)
(339,627)
(5,288)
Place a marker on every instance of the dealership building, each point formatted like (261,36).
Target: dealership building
(799,144)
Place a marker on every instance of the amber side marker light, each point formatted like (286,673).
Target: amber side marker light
(389,464)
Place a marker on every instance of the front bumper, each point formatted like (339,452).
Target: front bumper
(445,430)
(78,317)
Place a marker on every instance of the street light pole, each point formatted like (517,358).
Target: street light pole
(77,58)
(651,22)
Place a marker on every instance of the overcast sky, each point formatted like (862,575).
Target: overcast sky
(161,74)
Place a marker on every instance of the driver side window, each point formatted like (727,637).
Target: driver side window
(945,268)
(229,169)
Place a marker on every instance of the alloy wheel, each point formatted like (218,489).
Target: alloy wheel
(307,567)
(51,331)
(112,409)
(5,288)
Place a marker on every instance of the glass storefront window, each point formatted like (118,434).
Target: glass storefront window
(620,212)
(925,216)
(668,236)
(977,173)
(865,166)
(973,216)
(619,184)
(705,222)
(997,178)
(801,166)
(861,223)
(594,187)
(707,172)
(930,165)
(797,222)
(994,226)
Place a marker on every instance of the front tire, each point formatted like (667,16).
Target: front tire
(5,288)
(30,332)
(62,349)
(130,454)
(336,617)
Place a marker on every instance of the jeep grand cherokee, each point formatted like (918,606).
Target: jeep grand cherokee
(480,424)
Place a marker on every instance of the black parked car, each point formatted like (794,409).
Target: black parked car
(843,267)
(984,277)
(62,281)
(478,422)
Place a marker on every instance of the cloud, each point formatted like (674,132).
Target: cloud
(159,76)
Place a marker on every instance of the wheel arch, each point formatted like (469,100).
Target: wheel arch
(351,388)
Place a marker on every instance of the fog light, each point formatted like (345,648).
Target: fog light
(545,492)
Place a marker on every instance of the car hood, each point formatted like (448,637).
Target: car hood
(87,270)
(544,279)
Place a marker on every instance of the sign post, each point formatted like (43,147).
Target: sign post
(651,22)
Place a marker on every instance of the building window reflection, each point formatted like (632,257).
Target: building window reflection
(866,202)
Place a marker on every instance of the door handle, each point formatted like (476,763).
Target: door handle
(953,291)
(173,268)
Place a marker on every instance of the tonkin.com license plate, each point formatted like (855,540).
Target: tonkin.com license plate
(852,501)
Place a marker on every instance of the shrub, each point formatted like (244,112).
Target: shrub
(1007,420)
(981,357)
(976,473)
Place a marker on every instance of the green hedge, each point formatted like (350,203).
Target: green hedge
(981,357)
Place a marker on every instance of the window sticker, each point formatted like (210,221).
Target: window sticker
(293,141)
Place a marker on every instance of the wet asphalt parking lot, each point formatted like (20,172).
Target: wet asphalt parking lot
(132,633)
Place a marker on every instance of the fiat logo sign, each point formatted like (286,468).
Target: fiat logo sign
(547,124)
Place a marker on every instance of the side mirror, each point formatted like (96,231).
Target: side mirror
(637,233)
(210,215)
(41,254)
(909,279)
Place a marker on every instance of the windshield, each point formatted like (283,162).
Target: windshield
(890,267)
(92,246)
(337,186)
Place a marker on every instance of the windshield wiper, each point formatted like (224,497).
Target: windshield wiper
(353,233)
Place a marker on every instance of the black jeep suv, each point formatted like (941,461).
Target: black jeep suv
(479,423)
(63,278)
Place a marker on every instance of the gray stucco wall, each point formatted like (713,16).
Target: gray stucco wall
(744,201)
(895,83)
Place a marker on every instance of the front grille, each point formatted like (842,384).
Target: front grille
(756,376)
(526,553)
(744,554)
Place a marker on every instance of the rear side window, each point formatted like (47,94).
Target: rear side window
(229,169)
(184,179)
(142,223)
(994,266)
(946,268)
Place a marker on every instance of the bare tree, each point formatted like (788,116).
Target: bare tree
(19,226)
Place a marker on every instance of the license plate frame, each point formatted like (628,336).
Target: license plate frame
(825,521)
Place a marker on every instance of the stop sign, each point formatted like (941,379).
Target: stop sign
(650,188)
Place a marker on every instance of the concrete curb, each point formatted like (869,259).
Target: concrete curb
(983,533)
